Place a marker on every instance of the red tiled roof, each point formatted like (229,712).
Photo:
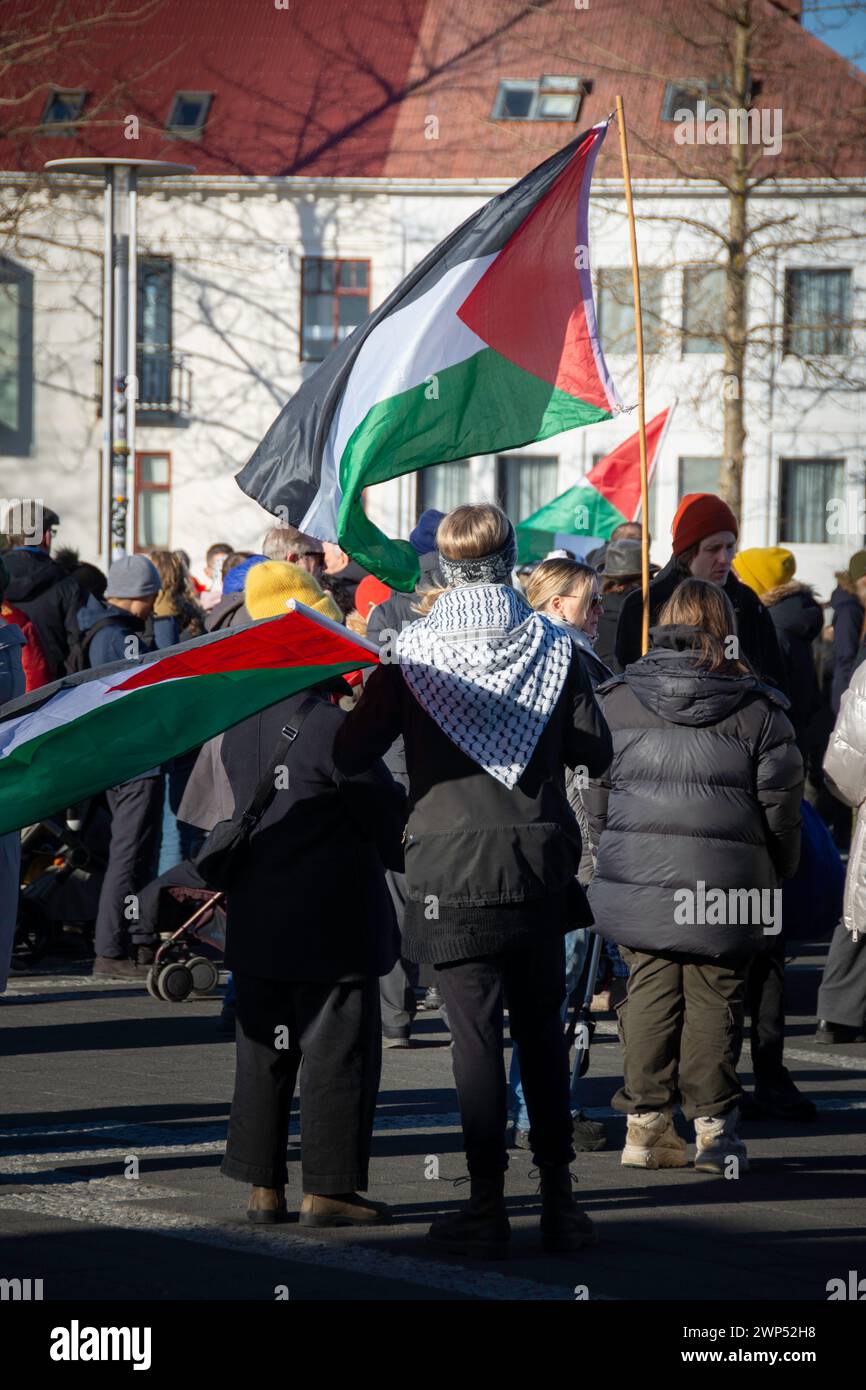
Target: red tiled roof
(347,87)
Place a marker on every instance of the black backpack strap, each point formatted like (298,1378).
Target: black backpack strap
(266,789)
(88,636)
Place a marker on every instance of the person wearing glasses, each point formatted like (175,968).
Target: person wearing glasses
(289,544)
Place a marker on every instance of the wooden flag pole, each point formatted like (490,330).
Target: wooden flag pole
(641,413)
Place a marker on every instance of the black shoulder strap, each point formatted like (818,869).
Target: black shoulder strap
(88,636)
(266,789)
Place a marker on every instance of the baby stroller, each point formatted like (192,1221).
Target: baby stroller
(179,905)
(63,861)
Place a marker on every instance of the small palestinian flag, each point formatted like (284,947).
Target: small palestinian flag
(607,496)
(71,739)
(489,344)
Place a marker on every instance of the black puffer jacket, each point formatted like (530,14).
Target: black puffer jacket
(51,599)
(705,785)
(798,620)
(755,629)
(472,844)
(847,627)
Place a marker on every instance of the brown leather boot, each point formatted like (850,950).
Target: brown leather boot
(267,1206)
(342,1209)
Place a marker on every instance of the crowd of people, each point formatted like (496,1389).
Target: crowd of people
(513,776)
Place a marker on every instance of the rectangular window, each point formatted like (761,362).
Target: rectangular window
(524,482)
(152,501)
(547,98)
(615,304)
(703,309)
(61,110)
(335,298)
(699,475)
(443,486)
(807,487)
(16,358)
(188,114)
(817,313)
(154,354)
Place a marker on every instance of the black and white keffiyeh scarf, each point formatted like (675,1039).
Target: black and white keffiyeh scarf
(489,670)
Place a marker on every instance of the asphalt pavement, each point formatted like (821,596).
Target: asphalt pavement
(114,1120)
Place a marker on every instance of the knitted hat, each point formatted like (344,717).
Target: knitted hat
(766,568)
(272,583)
(483,569)
(857,565)
(369,592)
(133,576)
(701,514)
(237,577)
(423,538)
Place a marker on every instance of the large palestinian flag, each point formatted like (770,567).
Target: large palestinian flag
(81,734)
(489,344)
(607,496)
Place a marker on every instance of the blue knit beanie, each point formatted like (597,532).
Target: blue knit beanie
(236,578)
(423,538)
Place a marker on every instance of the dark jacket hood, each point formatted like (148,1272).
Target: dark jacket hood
(840,597)
(667,682)
(794,609)
(96,608)
(31,572)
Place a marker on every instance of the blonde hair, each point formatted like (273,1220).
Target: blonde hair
(569,578)
(468,532)
(698,603)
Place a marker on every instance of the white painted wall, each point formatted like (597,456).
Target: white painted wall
(237,248)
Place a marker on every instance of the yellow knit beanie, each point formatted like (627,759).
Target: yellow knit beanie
(271,584)
(765,568)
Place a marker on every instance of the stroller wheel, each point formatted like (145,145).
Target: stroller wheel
(205,975)
(151,984)
(174,982)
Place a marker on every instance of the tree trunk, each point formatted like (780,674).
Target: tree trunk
(733,458)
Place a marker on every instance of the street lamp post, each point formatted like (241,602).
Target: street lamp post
(120,386)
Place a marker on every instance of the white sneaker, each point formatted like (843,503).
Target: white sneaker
(652,1142)
(717,1141)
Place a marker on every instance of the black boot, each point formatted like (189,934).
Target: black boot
(564,1225)
(480,1227)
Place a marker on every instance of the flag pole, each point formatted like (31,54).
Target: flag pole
(641,413)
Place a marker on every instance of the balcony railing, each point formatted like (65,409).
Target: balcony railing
(164,382)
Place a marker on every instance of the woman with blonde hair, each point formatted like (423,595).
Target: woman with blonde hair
(567,592)
(491,700)
(696,823)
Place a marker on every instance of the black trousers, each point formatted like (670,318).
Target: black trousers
(532,982)
(765,1004)
(136,827)
(397,988)
(334,1031)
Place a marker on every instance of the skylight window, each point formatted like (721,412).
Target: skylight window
(189,112)
(61,109)
(546,98)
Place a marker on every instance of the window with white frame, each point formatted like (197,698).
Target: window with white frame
(615,305)
(443,486)
(703,308)
(525,482)
(807,485)
(817,313)
(549,98)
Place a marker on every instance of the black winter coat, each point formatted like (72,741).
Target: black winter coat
(398,610)
(608,623)
(50,598)
(490,859)
(798,620)
(705,785)
(847,626)
(311,902)
(755,629)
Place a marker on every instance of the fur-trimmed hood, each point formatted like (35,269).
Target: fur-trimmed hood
(781,591)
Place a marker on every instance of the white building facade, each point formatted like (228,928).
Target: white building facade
(245,282)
